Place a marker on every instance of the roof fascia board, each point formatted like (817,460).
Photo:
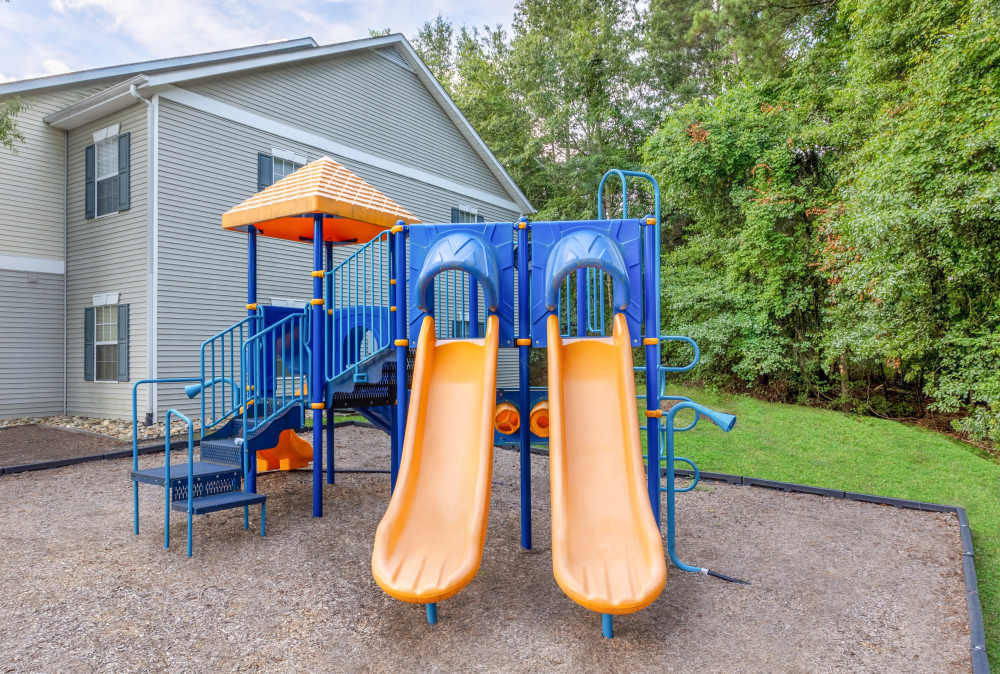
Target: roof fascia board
(253,120)
(94,74)
(95,106)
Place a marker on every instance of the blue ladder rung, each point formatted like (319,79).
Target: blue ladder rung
(178,472)
(215,502)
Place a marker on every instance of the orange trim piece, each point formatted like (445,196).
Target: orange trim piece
(650,341)
(392,281)
(318,273)
(396,229)
(392,308)
(401,342)
(523,341)
(318,300)
(654,414)
(522,225)
(317,406)
(252,307)
(650,221)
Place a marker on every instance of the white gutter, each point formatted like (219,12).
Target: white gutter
(152,238)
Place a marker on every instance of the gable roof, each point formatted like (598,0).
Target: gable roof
(150,81)
(357,211)
(153,66)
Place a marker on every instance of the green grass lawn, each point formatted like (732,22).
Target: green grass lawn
(823,448)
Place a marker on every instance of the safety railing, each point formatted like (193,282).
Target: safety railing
(452,299)
(596,303)
(220,364)
(358,298)
(274,371)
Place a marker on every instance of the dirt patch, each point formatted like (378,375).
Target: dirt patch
(33,443)
(837,585)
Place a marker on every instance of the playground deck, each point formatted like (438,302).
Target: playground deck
(837,585)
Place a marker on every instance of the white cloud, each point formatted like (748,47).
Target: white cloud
(54,67)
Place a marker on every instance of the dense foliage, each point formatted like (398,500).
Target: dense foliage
(829,173)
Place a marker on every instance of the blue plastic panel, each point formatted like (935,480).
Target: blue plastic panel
(499,236)
(544,237)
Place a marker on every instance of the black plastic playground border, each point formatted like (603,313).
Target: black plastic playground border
(977,632)
(122,454)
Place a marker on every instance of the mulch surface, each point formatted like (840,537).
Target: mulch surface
(837,585)
(20,445)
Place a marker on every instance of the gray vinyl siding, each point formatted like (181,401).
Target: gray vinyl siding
(31,350)
(364,101)
(208,164)
(32,179)
(107,254)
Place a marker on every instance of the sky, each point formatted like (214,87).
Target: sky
(47,37)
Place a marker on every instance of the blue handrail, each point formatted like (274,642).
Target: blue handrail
(135,450)
(358,298)
(190,475)
(227,354)
(274,371)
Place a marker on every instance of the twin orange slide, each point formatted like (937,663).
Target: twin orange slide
(607,552)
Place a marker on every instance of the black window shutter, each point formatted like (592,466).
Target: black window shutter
(455,217)
(124,175)
(88,343)
(265,171)
(122,342)
(90,193)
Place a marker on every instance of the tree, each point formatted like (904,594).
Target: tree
(9,110)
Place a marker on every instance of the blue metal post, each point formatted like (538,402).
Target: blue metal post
(523,353)
(581,303)
(651,312)
(473,308)
(432,614)
(250,476)
(607,626)
(394,439)
(316,365)
(251,274)
(401,342)
(327,352)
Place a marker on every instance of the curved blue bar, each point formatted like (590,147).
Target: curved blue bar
(586,248)
(466,252)
(694,359)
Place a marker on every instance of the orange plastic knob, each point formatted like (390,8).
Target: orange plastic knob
(507,419)
(538,420)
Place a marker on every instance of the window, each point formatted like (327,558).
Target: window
(273,167)
(466,214)
(107,184)
(106,342)
(107,175)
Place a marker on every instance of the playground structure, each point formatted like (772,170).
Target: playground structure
(426,285)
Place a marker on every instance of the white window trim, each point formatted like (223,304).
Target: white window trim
(288,155)
(104,134)
(99,343)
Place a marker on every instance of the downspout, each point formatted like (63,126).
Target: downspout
(152,193)
(66,277)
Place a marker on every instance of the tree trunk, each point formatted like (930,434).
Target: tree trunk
(844,383)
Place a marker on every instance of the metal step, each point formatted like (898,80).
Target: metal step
(223,451)
(207,478)
(215,502)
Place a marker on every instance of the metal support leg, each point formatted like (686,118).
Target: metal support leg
(246,517)
(316,366)
(330,474)
(607,626)
(263,519)
(135,506)
(432,614)
(524,352)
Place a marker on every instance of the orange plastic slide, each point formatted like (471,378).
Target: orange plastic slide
(607,552)
(429,544)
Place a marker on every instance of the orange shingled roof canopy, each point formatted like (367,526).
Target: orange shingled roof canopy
(354,211)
